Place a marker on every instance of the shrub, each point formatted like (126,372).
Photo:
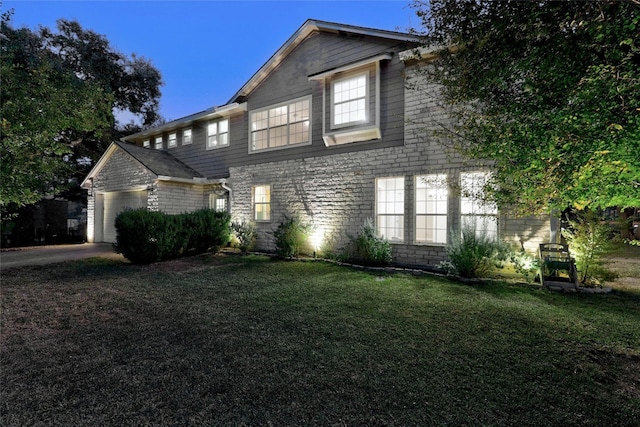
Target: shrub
(525,264)
(473,254)
(588,240)
(367,248)
(244,234)
(291,236)
(144,237)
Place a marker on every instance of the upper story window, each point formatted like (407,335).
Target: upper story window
(280,125)
(390,208)
(158,143)
(477,213)
(432,199)
(218,134)
(173,140)
(350,100)
(186,136)
(146,143)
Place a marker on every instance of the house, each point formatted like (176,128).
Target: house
(329,128)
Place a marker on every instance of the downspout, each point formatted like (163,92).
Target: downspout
(224,185)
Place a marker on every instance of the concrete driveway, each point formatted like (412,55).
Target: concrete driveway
(41,255)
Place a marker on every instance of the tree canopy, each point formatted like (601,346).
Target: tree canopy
(549,91)
(59,93)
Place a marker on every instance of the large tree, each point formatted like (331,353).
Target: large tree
(59,94)
(549,91)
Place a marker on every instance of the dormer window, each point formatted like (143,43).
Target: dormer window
(351,101)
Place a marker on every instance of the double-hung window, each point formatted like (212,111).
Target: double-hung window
(158,143)
(281,125)
(186,137)
(261,202)
(173,140)
(218,203)
(350,100)
(218,134)
(432,198)
(146,143)
(477,213)
(390,208)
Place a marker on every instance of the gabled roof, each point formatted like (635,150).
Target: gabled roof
(299,36)
(236,103)
(158,162)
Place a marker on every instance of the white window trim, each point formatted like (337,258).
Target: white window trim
(218,134)
(172,140)
(366,132)
(254,203)
(367,99)
(190,132)
(281,104)
(377,214)
(494,214)
(157,143)
(146,143)
(416,214)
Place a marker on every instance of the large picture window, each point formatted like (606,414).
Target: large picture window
(477,213)
(218,134)
(432,198)
(281,126)
(390,208)
(350,100)
(261,202)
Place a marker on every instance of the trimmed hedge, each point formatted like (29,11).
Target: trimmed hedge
(144,237)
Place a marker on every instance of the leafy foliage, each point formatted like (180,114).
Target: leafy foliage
(291,236)
(57,101)
(472,253)
(244,234)
(549,91)
(144,237)
(367,248)
(588,240)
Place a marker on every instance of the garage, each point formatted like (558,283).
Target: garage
(109,205)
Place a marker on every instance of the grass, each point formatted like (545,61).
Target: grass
(243,340)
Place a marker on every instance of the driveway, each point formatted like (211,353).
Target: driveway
(41,255)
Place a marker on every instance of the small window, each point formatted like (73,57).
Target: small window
(281,125)
(432,198)
(262,203)
(477,213)
(158,143)
(218,203)
(350,100)
(173,140)
(218,134)
(186,137)
(146,143)
(390,208)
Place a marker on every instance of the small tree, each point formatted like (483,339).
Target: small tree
(588,240)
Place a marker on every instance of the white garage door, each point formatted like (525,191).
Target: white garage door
(113,204)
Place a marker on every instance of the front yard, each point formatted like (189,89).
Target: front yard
(244,340)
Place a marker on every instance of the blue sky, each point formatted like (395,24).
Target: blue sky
(206,50)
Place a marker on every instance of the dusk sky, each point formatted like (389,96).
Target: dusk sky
(206,50)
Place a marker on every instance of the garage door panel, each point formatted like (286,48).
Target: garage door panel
(116,202)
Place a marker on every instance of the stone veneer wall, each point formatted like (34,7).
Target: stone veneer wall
(177,197)
(337,193)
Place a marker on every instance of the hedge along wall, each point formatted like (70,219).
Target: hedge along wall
(144,237)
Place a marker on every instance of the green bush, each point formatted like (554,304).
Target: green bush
(473,254)
(367,248)
(291,236)
(244,234)
(588,240)
(525,264)
(144,237)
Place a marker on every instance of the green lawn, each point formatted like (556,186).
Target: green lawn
(233,340)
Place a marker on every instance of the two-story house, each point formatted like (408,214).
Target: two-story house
(329,128)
